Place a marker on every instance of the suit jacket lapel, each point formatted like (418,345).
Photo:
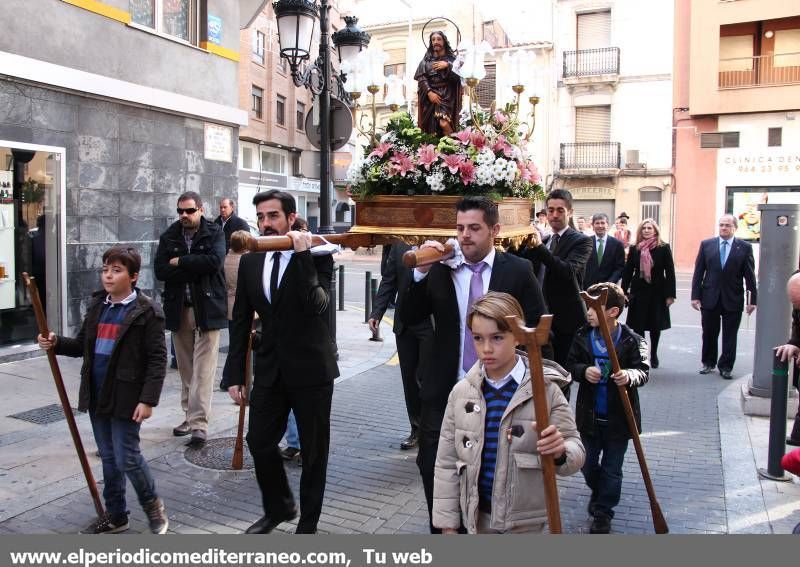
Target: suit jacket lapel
(283,280)
(496,279)
(260,296)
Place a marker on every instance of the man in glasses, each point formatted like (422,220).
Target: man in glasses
(189,261)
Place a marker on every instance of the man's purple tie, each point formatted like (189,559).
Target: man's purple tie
(475,293)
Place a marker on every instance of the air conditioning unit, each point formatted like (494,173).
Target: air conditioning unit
(632,160)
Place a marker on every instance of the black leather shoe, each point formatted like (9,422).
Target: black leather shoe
(601,524)
(706,370)
(726,374)
(654,361)
(409,442)
(265,525)
(793,442)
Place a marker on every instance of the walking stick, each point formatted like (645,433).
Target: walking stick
(533,339)
(598,304)
(238,449)
(41,321)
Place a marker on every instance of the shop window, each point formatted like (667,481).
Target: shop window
(176,18)
(272,162)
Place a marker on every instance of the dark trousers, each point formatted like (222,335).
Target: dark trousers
(603,469)
(413,344)
(269,410)
(430,424)
(118,442)
(710,319)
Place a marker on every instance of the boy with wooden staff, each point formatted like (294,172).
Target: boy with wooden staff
(124,362)
(488,474)
(599,408)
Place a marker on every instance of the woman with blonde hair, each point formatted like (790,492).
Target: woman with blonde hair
(240,240)
(649,282)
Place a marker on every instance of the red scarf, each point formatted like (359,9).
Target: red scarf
(645,259)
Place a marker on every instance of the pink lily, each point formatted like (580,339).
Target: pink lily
(501,145)
(426,155)
(500,117)
(529,172)
(477,139)
(401,164)
(453,162)
(463,135)
(467,169)
(381,150)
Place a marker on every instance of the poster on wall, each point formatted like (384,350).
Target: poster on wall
(743,204)
(214,29)
(218,142)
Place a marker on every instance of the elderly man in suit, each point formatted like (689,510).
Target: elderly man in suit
(722,264)
(607,260)
(446,294)
(559,262)
(414,342)
(229,221)
(294,365)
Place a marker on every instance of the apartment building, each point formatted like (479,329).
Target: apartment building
(736,106)
(613,130)
(108,111)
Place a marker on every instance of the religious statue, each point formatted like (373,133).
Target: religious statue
(439,87)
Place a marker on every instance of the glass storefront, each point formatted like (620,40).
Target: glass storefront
(32,227)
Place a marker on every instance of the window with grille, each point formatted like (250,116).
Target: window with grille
(177,18)
(301,115)
(258,99)
(651,204)
(719,140)
(487,88)
(775,137)
(280,110)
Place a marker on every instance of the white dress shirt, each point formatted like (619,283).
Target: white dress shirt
(517,374)
(286,255)
(461,280)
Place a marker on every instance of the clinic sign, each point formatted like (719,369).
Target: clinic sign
(763,167)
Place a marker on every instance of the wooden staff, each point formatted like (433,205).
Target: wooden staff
(534,339)
(427,256)
(598,304)
(238,449)
(41,320)
(279,243)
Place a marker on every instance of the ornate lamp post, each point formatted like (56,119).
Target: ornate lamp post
(297,20)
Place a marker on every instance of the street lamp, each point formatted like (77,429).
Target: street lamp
(296,22)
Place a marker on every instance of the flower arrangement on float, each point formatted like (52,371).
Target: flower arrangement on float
(488,156)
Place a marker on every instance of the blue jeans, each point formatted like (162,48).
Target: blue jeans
(292,437)
(604,475)
(118,442)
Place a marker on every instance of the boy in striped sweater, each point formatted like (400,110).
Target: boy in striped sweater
(124,361)
(488,474)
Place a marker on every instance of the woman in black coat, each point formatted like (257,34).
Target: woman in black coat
(649,282)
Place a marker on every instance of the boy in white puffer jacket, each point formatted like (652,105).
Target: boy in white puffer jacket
(488,474)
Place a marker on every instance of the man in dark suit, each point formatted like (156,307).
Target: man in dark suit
(560,261)
(413,341)
(229,222)
(446,294)
(607,259)
(294,365)
(717,292)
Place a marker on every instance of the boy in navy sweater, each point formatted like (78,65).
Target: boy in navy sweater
(598,411)
(124,361)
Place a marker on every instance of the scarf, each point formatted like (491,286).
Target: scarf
(645,258)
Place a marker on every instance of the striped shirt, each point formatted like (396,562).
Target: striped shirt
(109,326)
(498,395)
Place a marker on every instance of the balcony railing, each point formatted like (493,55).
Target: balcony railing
(590,155)
(591,62)
(759,71)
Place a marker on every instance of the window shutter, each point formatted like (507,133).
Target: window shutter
(593,124)
(719,140)
(594,30)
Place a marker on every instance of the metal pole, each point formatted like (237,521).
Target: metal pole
(341,287)
(777,422)
(325,123)
(367,296)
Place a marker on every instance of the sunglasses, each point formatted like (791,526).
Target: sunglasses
(189,211)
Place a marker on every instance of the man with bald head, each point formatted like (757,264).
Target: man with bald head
(791,350)
(228,220)
(722,264)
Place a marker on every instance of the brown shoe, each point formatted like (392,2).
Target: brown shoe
(182,429)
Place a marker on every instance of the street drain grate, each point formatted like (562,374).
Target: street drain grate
(42,415)
(217,454)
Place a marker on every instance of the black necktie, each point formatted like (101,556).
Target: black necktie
(273,278)
(554,242)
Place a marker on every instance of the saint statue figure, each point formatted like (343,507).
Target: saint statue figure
(439,88)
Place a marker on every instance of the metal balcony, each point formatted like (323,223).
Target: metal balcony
(759,71)
(584,63)
(590,156)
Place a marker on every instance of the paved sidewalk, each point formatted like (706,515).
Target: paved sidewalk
(702,454)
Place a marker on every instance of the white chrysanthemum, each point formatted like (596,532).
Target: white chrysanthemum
(485,157)
(511,171)
(435,181)
(484,175)
(516,153)
(388,137)
(355,173)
